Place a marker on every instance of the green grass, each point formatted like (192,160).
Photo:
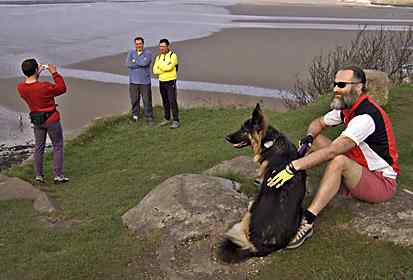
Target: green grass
(116,162)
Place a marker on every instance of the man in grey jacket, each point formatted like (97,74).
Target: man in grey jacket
(139,62)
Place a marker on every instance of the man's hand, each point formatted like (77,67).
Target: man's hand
(282,177)
(306,140)
(52,68)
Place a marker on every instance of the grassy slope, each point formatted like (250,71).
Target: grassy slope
(115,163)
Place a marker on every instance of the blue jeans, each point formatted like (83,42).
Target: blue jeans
(55,132)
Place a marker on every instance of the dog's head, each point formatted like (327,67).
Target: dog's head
(251,132)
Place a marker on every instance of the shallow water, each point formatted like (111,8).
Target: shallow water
(67,33)
(15,128)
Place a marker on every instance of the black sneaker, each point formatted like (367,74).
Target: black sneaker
(60,179)
(304,232)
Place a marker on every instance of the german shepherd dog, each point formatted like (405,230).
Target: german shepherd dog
(273,218)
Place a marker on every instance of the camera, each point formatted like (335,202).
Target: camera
(44,66)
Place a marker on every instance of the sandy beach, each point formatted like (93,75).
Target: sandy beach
(273,60)
(258,57)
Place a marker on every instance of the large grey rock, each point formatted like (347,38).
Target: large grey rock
(188,205)
(44,204)
(15,188)
(192,212)
(242,165)
(378,84)
(391,220)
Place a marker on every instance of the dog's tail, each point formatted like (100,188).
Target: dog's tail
(236,247)
(230,252)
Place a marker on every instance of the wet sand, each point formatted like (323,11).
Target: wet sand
(255,57)
(245,56)
(269,58)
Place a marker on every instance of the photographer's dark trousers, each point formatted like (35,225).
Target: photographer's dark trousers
(135,93)
(169,99)
(55,132)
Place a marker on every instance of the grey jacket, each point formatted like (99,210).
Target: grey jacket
(139,67)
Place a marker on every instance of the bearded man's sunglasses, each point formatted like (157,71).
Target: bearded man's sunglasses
(344,84)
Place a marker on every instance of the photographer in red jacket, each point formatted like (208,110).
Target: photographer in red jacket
(39,97)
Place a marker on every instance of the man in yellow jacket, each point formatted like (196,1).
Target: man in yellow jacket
(166,66)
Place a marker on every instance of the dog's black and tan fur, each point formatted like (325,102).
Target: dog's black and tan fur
(273,218)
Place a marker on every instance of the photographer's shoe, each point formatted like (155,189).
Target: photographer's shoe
(135,118)
(60,179)
(39,179)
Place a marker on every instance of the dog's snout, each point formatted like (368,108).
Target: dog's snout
(228,138)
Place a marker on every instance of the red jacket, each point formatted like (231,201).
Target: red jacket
(39,96)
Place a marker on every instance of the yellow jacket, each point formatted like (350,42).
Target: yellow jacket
(165,66)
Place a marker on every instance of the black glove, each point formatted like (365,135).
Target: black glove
(306,140)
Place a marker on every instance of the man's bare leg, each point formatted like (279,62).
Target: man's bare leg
(341,167)
(338,169)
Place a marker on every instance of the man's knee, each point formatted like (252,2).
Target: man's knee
(338,163)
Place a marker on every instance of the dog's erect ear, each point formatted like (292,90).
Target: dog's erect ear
(257,117)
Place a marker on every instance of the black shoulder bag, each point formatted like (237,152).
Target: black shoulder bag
(39,118)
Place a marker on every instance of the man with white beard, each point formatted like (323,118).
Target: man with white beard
(363,157)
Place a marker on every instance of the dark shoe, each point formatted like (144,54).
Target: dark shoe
(304,232)
(175,124)
(39,179)
(164,122)
(60,179)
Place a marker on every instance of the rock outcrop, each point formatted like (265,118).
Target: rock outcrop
(191,212)
(391,220)
(378,84)
(241,165)
(14,188)
(188,214)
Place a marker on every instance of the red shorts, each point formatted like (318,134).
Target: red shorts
(373,187)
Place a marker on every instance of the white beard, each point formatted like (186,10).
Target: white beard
(337,103)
